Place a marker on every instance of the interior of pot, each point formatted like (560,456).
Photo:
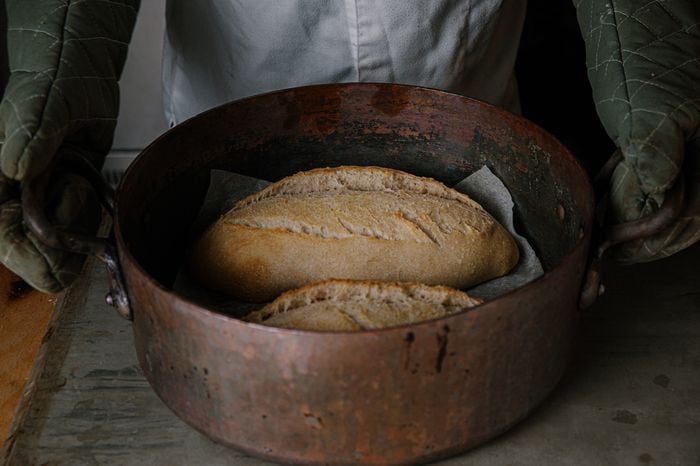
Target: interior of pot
(421,131)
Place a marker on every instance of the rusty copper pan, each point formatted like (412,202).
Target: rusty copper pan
(399,395)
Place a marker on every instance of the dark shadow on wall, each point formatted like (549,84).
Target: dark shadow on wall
(554,88)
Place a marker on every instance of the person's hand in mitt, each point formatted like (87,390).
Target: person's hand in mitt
(644,66)
(62,96)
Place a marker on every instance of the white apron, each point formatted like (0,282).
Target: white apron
(220,50)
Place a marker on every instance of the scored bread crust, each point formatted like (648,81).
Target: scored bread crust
(355,178)
(359,223)
(335,305)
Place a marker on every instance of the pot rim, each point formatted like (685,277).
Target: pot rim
(184,303)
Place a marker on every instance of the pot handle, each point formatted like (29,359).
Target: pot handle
(611,235)
(33,201)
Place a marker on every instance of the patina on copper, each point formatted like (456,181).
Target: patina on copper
(400,395)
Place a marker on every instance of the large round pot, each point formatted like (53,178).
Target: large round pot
(399,395)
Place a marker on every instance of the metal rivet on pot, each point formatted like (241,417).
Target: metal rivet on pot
(561,212)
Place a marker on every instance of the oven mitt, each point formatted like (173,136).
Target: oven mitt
(65,58)
(71,204)
(643,62)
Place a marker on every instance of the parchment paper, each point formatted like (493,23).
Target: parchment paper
(489,191)
(483,186)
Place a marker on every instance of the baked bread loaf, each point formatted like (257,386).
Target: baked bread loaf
(360,223)
(360,305)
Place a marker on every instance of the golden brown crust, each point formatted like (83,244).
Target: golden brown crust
(354,178)
(360,223)
(334,305)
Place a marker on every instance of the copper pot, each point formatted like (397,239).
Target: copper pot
(400,395)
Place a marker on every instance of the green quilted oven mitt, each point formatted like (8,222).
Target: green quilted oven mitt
(643,62)
(65,59)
